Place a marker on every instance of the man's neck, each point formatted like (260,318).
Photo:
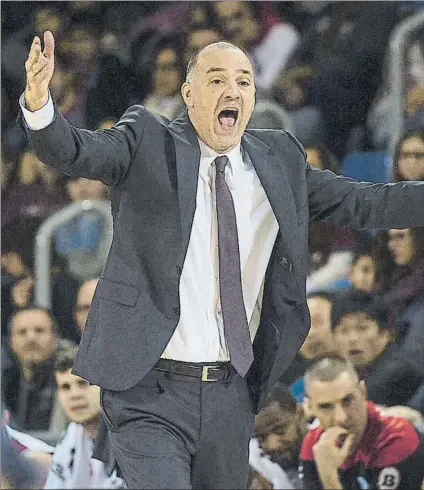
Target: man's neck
(91,427)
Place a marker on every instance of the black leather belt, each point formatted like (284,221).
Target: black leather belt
(215,371)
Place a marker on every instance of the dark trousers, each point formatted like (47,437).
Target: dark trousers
(175,431)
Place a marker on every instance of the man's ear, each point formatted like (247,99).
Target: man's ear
(186,94)
(300,413)
(306,407)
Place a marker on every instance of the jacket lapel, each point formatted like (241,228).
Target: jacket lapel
(271,173)
(269,168)
(187,154)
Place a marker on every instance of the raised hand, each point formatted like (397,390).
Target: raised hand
(39,71)
(329,452)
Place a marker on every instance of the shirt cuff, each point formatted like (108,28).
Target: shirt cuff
(39,119)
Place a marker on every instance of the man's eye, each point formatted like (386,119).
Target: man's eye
(244,83)
(215,81)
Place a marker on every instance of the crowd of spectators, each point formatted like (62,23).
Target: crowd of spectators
(322,72)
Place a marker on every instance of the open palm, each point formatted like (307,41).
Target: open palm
(39,71)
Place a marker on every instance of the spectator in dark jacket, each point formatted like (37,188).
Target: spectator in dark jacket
(29,385)
(363,337)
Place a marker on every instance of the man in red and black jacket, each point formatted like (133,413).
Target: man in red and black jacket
(355,446)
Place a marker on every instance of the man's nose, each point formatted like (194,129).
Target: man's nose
(31,335)
(352,337)
(232,90)
(76,393)
(340,416)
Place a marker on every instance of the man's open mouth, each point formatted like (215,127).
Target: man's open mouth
(228,117)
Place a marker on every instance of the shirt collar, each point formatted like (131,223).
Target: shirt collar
(207,156)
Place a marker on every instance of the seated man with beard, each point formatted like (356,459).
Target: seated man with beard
(279,430)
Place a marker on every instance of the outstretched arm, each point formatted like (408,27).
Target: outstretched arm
(345,202)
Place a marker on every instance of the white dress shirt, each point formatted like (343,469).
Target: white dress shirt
(199,336)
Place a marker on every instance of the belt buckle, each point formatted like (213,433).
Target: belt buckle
(205,373)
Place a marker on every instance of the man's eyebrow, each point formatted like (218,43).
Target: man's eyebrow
(214,69)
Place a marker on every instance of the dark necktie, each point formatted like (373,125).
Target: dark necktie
(236,327)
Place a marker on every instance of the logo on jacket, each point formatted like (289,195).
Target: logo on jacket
(388,479)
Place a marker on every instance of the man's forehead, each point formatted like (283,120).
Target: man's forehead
(226,59)
(31,318)
(331,391)
(354,317)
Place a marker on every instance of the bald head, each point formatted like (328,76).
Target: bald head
(220,45)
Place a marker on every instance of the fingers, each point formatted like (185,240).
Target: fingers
(48,44)
(35,51)
(34,55)
(334,432)
(347,445)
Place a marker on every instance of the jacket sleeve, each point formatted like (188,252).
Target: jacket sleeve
(345,202)
(100,155)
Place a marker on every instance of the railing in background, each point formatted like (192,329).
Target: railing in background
(397,48)
(43,243)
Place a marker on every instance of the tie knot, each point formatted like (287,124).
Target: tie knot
(221,162)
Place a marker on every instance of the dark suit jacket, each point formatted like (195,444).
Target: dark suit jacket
(151,167)
(393,379)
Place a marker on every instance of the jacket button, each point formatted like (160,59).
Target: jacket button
(179,270)
(176,310)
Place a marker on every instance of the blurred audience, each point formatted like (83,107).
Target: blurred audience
(318,343)
(164,96)
(36,190)
(400,278)
(408,162)
(344,49)
(199,37)
(329,246)
(84,299)
(269,50)
(292,90)
(362,270)
(362,336)
(79,240)
(380,121)
(64,88)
